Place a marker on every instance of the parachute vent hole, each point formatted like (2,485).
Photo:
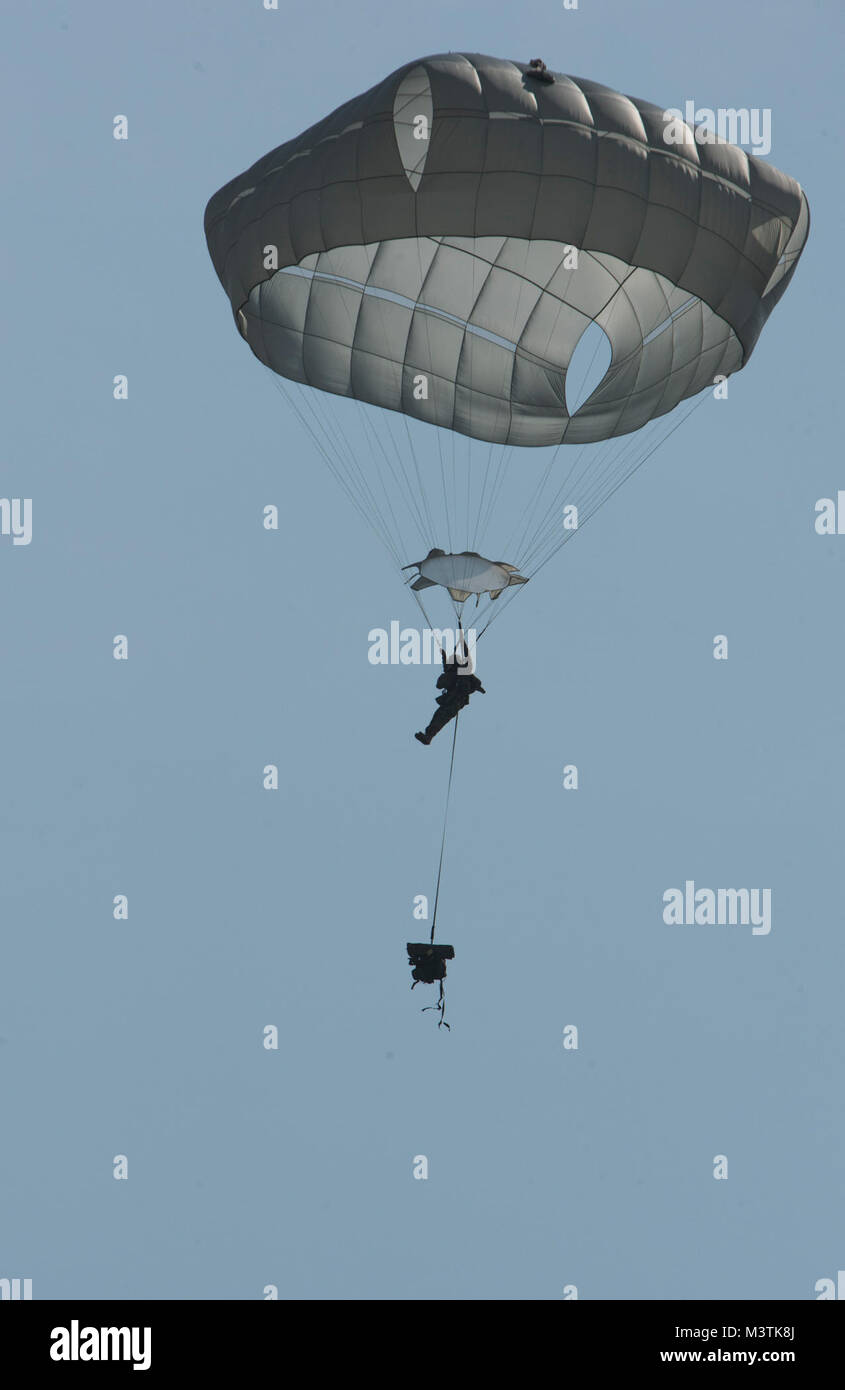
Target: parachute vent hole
(587,366)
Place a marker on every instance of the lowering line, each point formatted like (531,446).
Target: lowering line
(445,822)
(440,1006)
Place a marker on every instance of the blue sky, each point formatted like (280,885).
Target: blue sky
(294,1167)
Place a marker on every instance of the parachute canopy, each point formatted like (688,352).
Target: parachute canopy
(423,238)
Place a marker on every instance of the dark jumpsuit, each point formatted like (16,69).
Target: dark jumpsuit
(457,688)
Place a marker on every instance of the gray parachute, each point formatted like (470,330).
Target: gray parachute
(423,263)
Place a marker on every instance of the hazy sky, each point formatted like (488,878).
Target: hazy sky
(294,1167)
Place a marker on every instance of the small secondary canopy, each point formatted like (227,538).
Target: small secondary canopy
(464,574)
